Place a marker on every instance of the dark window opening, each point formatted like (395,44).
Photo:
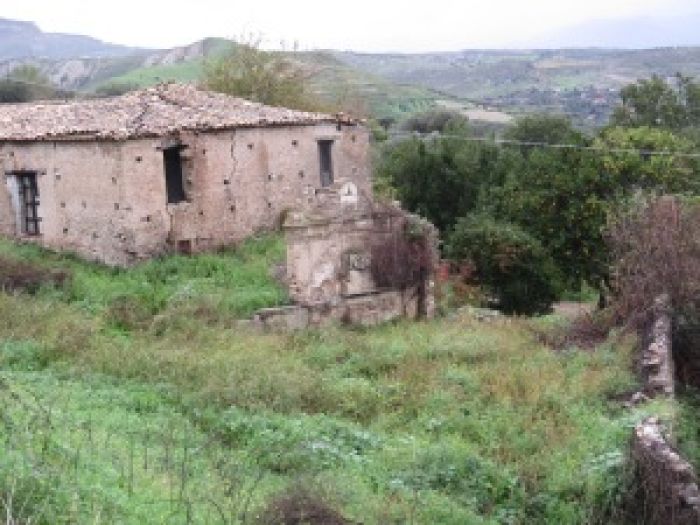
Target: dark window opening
(174,183)
(324,149)
(184,247)
(29,202)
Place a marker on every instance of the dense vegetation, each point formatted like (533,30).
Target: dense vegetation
(553,182)
(189,415)
(247,71)
(26,83)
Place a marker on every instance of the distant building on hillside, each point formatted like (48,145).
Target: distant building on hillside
(171,168)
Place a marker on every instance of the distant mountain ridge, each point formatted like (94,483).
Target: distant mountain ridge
(582,83)
(22,40)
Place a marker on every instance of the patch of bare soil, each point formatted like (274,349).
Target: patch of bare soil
(572,310)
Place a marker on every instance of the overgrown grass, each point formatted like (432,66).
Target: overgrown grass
(212,287)
(687,430)
(448,421)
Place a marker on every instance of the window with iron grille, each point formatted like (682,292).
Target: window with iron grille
(28,193)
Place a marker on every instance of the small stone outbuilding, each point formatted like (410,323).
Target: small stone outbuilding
(354,261)
(170,168)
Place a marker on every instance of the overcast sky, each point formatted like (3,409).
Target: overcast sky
(361,25)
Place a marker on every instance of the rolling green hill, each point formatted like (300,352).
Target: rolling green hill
(583,83)
(488,85)
(332,80)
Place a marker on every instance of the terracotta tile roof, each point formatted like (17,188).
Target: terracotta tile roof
(150,112)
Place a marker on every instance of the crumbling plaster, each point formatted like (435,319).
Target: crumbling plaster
(106,200)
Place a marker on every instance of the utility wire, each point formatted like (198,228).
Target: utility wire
(545,145)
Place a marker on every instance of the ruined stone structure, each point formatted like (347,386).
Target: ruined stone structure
(331,247)
(167,168)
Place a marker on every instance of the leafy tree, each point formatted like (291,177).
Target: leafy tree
(510,262)
(649,159)
(544,129)
(654,103)
(250,72)
(561,198)
(26,83)
(434,121)
(12,91)
(440,178)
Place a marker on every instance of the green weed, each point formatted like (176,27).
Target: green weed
(447,421)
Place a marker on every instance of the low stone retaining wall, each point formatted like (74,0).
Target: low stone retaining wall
(359,310)
(667,482)
(657,361)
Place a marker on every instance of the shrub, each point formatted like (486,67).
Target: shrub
(245,70)
(16,276)
(511,263)
(434,121)
(405,259)
(655,251)
(299,505)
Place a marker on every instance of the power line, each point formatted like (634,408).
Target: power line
(547,145)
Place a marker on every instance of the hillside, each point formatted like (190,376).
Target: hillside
(583,83)
(490,85)
(331,79)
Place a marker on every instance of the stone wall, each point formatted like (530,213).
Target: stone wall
(107,200)
(361,310)
(657,360)
(667,482)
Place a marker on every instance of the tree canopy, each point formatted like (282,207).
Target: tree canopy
(25,83)
(553,200)
(654,102)
(268,77)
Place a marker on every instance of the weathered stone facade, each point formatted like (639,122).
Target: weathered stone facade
(105,197)
(329,271)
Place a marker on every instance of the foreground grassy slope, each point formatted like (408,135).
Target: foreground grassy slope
(188,417)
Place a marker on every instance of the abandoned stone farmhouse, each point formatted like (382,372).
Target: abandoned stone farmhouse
(170,168)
